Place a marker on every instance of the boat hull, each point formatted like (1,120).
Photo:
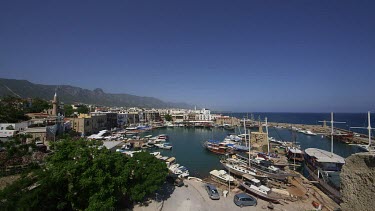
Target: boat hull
(263,196)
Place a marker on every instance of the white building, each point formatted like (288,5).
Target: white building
(203,115)
(8,130)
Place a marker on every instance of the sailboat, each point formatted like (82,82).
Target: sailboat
(325,167)
(239,167)
(369,147)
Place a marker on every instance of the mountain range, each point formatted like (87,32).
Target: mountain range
(70,94)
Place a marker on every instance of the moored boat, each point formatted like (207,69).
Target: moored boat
(221,176)
(163,146)
(217,147)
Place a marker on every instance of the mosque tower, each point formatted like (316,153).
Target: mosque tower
(54,105)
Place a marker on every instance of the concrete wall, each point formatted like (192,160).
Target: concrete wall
(358,182)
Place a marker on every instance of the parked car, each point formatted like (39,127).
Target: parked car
(212,192)
(242,199)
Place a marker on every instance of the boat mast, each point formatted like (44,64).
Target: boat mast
(369,128)
(332,122)
(249,147)
(331,134)
(244,127)
(268,141)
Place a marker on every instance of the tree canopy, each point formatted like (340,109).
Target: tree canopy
(68,109)
(79,175)
(168,117)
(83,109)
(38,105)
(12,109)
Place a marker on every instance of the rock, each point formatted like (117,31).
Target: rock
(357,182)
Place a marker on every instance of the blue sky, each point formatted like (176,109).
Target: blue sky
(226,55)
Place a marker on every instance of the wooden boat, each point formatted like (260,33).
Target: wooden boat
(255,187)
(217,147)
(264,167)
(324,168)
(294,153)
(240,169)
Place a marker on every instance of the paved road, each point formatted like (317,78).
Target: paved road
(195,198)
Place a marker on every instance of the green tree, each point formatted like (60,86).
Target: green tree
(147,175)
(80,176)
(68,109)
(168,117)
(83,109)
(12,109)
(38,105)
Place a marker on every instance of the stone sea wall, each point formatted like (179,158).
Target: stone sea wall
(358,182)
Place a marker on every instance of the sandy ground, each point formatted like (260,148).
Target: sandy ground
(195,198)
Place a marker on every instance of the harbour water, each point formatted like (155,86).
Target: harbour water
(351,119)
(189,151)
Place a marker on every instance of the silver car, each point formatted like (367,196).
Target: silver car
(242,199)
(212,192)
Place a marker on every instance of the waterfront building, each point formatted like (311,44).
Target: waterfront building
(122,119)
(151,115)
(111,121)
(204,115)
(87,124)
(226,120)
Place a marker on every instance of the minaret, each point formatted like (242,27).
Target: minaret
(54,105)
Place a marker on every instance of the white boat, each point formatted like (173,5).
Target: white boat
(309,133)
(131,128)
(221,176)
(179,170)
(164,146)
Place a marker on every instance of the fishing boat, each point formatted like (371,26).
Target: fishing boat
(255,187)
(221,176)
(217,147)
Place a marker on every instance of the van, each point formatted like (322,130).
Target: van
(242,199)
